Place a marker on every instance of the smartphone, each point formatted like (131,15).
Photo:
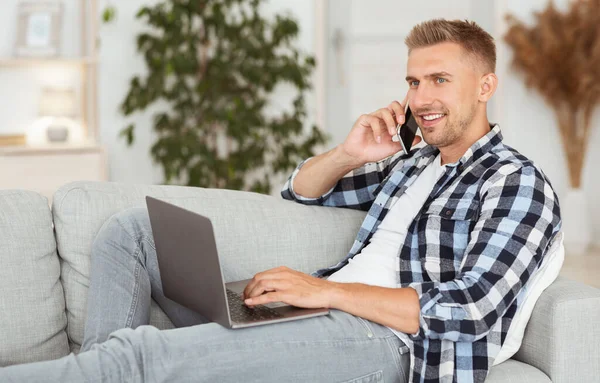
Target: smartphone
(407,131)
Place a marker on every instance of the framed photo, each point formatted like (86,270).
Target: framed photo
(38,28)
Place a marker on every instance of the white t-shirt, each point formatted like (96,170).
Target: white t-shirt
(377,264)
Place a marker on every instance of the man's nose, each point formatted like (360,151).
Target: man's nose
(421,97)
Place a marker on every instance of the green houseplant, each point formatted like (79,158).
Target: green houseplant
(215,63)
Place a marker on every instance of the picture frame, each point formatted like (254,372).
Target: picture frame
(39,25)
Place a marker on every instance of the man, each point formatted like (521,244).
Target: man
(454,231)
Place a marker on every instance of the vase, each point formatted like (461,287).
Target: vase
(575,222)
(57,133)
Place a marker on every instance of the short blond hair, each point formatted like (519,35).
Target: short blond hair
(471,37)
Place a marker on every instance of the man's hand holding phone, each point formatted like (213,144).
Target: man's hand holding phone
(371,137)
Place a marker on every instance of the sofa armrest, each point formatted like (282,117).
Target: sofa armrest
(562,337)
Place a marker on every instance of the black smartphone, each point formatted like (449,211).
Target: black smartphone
(407,131)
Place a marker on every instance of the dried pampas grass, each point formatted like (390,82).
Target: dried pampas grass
(560,57)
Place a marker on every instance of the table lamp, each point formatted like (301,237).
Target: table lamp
(58,105)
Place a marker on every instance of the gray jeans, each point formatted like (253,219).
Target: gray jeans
(120,346)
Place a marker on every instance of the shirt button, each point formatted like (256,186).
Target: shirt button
(449,212)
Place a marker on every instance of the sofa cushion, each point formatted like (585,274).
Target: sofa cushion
(32,306)
(254,232)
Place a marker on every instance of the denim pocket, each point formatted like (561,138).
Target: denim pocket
(366,326)
(373,377)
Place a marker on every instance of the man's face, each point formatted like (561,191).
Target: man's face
(443,92)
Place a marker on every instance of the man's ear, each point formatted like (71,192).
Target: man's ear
(487,86)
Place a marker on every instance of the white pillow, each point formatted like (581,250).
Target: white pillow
(541,279)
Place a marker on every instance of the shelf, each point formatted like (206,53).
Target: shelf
(40,61)
(83,62)
(48,149)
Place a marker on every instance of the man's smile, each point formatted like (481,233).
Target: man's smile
(430,119)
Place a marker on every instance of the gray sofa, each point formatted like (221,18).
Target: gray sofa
(44,272)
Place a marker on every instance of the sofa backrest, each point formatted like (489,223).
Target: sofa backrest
(254,232)
(32,305)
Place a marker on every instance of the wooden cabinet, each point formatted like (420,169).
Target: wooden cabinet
(44,170)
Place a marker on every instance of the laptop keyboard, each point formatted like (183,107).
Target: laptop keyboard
(241,313)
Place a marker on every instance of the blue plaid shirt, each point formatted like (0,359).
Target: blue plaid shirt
(481,233)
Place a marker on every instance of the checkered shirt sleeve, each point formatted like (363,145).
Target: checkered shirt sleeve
(356,190)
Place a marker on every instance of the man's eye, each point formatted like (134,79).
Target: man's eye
(414,83)
(440,80)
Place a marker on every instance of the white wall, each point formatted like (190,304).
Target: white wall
(118,64)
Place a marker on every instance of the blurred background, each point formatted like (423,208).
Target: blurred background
(67,68)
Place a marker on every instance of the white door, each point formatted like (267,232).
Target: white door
(366,56)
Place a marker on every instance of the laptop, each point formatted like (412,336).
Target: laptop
(192,276)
